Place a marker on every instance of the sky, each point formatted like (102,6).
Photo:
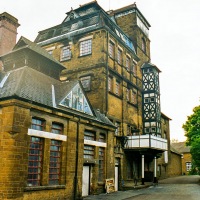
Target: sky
(175,44)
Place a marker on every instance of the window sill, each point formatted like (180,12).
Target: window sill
(133,104)
(80,56)
(101,183)
(65,60)
(120,97)
(48,187)
(112,58)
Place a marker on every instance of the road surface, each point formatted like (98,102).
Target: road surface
(177,188)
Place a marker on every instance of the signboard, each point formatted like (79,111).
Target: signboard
(110,185)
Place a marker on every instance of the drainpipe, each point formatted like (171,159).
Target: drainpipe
(107,75)
(76,162)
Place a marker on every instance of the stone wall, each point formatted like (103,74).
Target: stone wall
(175,166)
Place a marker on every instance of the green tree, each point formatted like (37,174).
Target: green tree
(192,132)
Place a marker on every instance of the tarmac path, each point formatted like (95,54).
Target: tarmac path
(176,188)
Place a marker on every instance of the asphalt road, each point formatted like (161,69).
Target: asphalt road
(177,188)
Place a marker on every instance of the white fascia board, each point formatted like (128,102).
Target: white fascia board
(95,143)
(49,135)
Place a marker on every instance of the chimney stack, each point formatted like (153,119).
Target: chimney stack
(8,32)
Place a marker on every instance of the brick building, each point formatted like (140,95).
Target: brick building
(185,155)
(105,58)
(49,130)
(175,163)
(110,55)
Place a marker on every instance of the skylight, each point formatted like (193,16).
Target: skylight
(76,100)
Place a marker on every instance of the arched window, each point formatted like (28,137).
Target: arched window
(144,45)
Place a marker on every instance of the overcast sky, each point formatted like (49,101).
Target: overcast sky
(175,44)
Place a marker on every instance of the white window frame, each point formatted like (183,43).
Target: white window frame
(65,53)
(86,47)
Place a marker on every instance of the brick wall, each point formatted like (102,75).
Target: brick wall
(186,157)
(175,166)
(14,151)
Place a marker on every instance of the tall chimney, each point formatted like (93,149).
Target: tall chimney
(8,32)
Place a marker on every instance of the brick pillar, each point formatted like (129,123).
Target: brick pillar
(14,142)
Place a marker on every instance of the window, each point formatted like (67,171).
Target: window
(165,135)
(127,94)
(71,16)
(134,69)
(54,164)
(89,135)
(57,128)
(86,83)
(111,49)
(102,137)
(117,131)
(85,47)
(35,161)
(128,63)
(117,88)
(143,45)
(119,56)
(128,130)
(37,124)
(65,53)
(50,52)
(188,166)
(110,84)
(88,152)
(76,100)
(101,164)
(133,97)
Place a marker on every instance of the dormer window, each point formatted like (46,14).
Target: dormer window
(71,16)
(143,45)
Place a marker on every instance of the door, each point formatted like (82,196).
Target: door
(86,181)
(116,177)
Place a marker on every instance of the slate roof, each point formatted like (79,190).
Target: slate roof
(30,85)
(33,86)
(165,116)
(174,150)
(181,147)
(25,43)
(88,17)
(130,7)
(150,65)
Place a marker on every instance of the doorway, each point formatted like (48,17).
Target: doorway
(86,181)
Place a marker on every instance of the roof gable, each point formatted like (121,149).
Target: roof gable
(181,147)
(75,99)
(71,16)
